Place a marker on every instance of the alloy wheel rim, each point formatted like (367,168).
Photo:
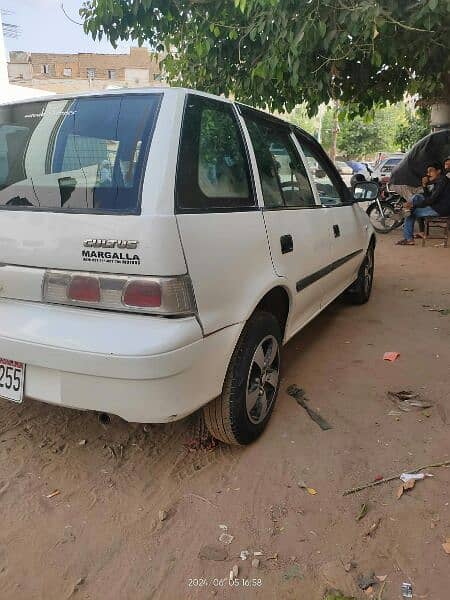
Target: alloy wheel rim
(262,380)
(368,271)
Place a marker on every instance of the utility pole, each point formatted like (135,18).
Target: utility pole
(4,81)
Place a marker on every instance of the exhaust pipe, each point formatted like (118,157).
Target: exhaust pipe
(104,419)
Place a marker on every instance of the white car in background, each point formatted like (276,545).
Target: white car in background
(384,167)
(158,247)
(345,171)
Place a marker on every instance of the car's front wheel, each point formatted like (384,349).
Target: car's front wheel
(240,414)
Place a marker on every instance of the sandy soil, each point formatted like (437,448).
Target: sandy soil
(101,537)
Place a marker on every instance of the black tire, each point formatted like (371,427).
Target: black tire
(359,292)
(227,417)
(375,217)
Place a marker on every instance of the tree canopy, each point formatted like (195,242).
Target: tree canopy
(416,127)
(279,53)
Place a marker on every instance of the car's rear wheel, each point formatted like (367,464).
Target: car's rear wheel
(240,414)
(359,292)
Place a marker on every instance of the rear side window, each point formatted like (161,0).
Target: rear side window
(213,172)
(283,175)
(323,175)
(84,155)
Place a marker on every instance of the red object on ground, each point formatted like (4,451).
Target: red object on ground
(391,356)
(378,478)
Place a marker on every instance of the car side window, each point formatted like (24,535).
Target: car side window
(323,176)
(283,175)
(213,171)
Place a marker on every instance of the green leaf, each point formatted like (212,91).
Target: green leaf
(433,4)
(376,59)
(259,71)
(329,38)
(322,28)
(298,36)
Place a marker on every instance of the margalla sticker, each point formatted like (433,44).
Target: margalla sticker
(116,258)
(113,253)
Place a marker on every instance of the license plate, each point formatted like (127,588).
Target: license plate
(12,377)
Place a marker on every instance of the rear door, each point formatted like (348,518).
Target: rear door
(297,227)
(221,226)
(346,229)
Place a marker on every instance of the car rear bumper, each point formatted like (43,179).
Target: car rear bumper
(142,368)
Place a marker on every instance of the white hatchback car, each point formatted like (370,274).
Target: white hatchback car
(157,249)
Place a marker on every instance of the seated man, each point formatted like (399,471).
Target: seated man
(434,202)
(447,167)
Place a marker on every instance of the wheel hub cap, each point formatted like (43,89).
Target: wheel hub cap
(262,381)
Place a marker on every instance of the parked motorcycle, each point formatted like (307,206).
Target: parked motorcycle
(386,212)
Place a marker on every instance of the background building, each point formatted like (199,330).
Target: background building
(9,92)
(66,73)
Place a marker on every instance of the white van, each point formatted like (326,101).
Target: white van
(157,248)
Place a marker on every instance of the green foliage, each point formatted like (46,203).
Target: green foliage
(280,53)
(299,116)
(363,136)
(358,137)
(417,126)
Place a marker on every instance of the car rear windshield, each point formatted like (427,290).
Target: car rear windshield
(80,155)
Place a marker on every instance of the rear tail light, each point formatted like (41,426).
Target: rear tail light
(84,288)
(153,295)
(143,294)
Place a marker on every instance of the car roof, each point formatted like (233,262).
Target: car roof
(175,91)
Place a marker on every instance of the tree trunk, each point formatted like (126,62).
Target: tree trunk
(321,113)
(334,130)
(440,109)
(440,116)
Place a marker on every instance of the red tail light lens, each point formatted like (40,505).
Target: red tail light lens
(143,294)
(84,289)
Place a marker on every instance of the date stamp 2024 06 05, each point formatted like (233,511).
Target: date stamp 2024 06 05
(223,582)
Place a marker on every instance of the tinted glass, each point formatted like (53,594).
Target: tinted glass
(323,176)
(86,154)
(283,176)
(213,170)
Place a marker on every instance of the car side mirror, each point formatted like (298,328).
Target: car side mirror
(365,191)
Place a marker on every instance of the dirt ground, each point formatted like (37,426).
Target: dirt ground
(101,537)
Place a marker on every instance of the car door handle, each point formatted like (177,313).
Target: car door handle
(287,243)
(336,231)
